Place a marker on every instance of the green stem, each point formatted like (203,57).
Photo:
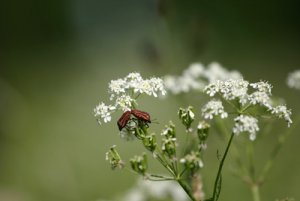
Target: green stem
(152,177)
(236,153)
(221,166)
(165,164)
(255,192)
(186,189)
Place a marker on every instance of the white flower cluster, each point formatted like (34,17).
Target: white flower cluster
(134,82)
(214,108)
(245,123)
(293,80)
(125,91)
(248,95)
(238,89)
(281,111)
(196,76)
(149,190)
(104,112)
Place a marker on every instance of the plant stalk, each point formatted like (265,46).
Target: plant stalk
(221,167)
(186,189)
(255,192)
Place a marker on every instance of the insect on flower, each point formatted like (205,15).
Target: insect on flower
(138,114)
(141,115)
(122,122)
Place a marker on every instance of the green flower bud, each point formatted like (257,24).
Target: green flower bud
(150,142)
(192,161)
(114,158)
(169,131)
(186,116)
(139,164)
(169,147)
(202,131)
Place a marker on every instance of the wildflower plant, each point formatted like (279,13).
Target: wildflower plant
(235,107)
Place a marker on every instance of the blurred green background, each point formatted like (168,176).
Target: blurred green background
(57,56)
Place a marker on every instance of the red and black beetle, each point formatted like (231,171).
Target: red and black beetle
(141,115)
(122,122)
(138,114)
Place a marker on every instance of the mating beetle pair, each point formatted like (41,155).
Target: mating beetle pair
(138,114)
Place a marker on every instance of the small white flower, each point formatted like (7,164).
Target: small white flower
(104,112)
(183,83)
(133,77)
(216,72)
(124,102)
(149,190)
(214,108)
(157,85)
(213,88)
(195,77)
(245,123)
(195,70)
(125,91)
(229,89)
(171,84)
(262,87)
(232,89)
(281,111)
(293,80)
(260,97)
(117,86)
(150,87)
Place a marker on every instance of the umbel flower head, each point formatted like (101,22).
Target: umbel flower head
(242,96)
(124,93)
(196,76)
(214,108)
(293,80)
(244,123)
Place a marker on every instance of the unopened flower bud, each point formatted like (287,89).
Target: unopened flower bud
(202,131)
(169,146)
(169,131)
(192,161)
(114,158)
(186,116)
(139,164)
(150,142)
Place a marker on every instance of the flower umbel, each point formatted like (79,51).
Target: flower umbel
(104,112)
(196,76)
(282,112)
(235,92)
(124,93)
(293,80)
(214,108)
(244,123)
